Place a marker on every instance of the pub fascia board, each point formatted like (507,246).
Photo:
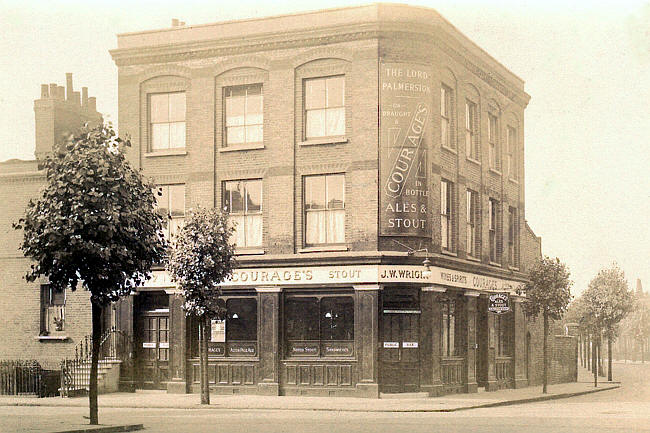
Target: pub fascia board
(361,274)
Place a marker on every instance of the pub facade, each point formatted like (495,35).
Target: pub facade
(372,158)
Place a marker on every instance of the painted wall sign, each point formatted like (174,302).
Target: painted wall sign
(499,303)
(405,108)
(391,344)
(410,344)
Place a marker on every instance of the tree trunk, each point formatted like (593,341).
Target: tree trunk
(94,361)
(601,372)
(609,359)
(205,386)
(594,368)
(545,378)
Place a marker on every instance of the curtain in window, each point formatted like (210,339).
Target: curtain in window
(316,232)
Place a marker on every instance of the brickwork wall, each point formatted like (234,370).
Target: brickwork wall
(21,303)
(564,364)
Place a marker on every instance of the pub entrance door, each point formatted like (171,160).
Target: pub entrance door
(399,348)
(153,348)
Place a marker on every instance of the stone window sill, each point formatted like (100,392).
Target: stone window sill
(495,264)
(166,152)
(240,147)
(475,161)
(324,140)
(51,337)
(513,180)
(323,248)
(473,259)
(449,149)
(449,253)
(495,171)
(249,251)
(514,268)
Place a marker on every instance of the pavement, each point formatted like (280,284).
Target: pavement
(449,403)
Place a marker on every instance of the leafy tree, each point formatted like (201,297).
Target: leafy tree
(94,224)
(608,300)
(547,292)
(202,258)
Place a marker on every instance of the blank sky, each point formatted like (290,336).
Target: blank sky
(586,66)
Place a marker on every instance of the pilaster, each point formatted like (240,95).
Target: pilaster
(471,299)
(268,310)
(519,337)
(366,332)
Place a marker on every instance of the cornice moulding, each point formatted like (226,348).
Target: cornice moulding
(510,87)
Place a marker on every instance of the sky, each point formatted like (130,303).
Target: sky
(586,65)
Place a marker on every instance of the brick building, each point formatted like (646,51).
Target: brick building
(350,145)
(36,323)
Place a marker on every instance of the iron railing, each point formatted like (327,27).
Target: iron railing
(75,373)
(21,377)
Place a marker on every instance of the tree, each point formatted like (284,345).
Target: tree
(201,258)
(93,224)
(608,300)
(547,291)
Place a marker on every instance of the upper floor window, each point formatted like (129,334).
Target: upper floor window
(52,309)
(493,225)
(513,236)
(244,118)
(445,118)
(167,120)
(493,141)
(471,136)
(446,215)
(511,153)
(324,106)
(473,219)
(170,201)
(324,198)
(242,199)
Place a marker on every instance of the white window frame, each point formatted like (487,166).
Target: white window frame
(471,137)
(446,136)
(325,109)
(246,213)
(446,215)
(245,124)
(329,212)
(179,123)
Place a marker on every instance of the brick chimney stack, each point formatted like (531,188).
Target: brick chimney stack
(61,111)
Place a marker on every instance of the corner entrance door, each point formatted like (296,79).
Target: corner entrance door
(399,351)
(154,349)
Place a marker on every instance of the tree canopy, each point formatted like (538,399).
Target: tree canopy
(202,257)
(608,300)
(548,288)
(94,221)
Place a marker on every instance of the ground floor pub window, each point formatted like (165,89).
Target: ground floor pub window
(319,326)
(236,335)
(503,332)
(451,331)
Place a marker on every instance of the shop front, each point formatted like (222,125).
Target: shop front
(337,330)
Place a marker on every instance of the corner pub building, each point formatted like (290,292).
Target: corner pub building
(349,145)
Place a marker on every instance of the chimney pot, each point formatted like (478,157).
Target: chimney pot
(68,84)
(53,91)
(84,97)
(45,91)
(92,104)
(175,22)
(76,98)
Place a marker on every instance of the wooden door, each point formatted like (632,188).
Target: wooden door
(154,350)
(400,352)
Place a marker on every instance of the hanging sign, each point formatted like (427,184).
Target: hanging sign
(499,303)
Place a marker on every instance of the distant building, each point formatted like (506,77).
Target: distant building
(349,145)
(36,322)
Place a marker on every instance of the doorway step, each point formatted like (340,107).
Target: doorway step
(408,395)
